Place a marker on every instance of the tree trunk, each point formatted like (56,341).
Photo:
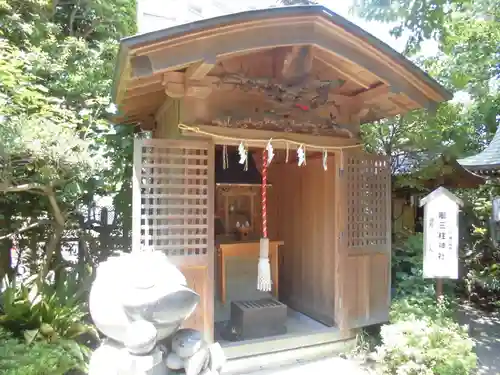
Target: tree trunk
(51,248)
(81,258)
(6,258)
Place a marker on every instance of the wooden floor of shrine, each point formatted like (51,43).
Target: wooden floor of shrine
(296,324)
(305,336)
(305,340)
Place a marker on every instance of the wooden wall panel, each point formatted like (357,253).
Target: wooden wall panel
(367,283)
(354,301)
(167,118)
(197,279)
(379,286)
(302,214)
(274,201)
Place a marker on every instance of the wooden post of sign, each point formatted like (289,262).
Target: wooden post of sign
(441,209)
(439,288)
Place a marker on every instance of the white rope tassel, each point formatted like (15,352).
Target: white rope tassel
(264,282)
(264,268)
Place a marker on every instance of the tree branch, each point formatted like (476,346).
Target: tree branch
(59,218)
(28,227)
(55,4)
(90,29)
(6,188)
(72,20)
(396,129)
(51,247)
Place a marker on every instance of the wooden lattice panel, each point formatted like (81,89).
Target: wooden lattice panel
(173,192)
(368,206)
(174,197)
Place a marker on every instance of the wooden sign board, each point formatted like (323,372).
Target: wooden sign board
(441,209)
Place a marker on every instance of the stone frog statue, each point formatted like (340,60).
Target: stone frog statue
(139,302)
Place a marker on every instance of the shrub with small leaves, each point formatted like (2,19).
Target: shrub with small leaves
(422,307)
(423,337)
(39,358)
(424,347)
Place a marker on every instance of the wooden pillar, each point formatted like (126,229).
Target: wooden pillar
(167,119)
(439,289)
(340,229)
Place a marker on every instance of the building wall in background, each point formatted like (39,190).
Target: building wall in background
(160,14)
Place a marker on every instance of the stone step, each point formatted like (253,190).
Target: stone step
(325,365)
(269,354)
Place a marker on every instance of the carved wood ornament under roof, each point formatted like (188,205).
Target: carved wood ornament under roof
(306,69)
(300,97)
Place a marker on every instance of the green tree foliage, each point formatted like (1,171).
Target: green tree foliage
(467,61)
(415,142)
(424,20)
(468,36)
(58,149)
(40,146)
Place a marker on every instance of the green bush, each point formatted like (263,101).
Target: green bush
(422,337)
(407,263)
(425,347)
(481,258)
(421,306)
(408,253)
(39,358)
(42,312)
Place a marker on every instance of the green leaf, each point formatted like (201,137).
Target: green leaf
(31,335)
(46,329)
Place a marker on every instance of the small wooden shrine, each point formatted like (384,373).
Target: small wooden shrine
(447,172)
(487,162)
(285,90)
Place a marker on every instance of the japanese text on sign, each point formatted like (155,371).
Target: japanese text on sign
(441,238)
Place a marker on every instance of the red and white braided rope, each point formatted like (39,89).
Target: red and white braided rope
(264,194)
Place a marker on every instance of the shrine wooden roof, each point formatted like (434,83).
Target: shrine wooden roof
(487,162)
(192,60)
(447,172)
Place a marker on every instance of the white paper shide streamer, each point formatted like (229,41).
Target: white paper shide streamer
(301,155)
(243,152)
(270,152)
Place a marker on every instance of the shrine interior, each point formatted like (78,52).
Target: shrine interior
(298,200)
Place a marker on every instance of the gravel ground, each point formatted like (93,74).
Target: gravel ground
(485,329)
